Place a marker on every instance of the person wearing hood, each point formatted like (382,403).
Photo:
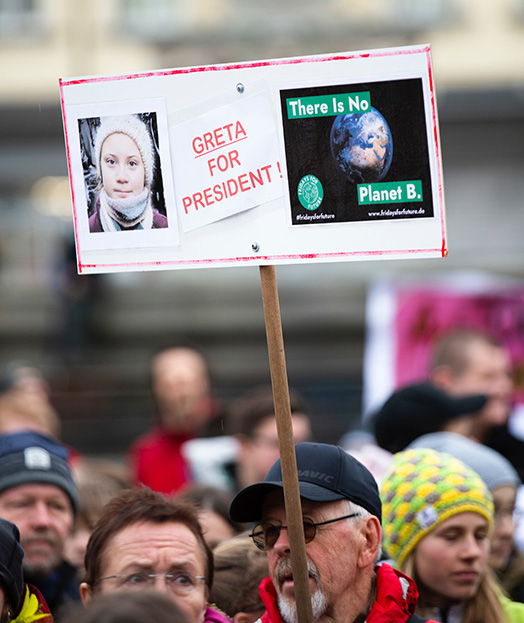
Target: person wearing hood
(19,602)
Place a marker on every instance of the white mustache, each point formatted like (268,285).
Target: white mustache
(284,569)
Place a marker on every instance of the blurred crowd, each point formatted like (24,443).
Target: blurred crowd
(191,527)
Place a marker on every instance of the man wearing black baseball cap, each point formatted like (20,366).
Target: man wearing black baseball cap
(341,512)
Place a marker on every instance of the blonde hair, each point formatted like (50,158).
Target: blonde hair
(239,569)
(484,606)
(98,481)
(26,411)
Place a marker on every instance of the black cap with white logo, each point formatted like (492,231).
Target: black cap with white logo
(325,473)
(27,458)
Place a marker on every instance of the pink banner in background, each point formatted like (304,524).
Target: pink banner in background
(423,316)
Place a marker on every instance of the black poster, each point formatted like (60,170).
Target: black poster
(357,152)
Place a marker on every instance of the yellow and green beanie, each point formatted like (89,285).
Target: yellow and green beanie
(423,488)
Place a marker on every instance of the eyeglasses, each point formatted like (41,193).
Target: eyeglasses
(265,534)
(179,583)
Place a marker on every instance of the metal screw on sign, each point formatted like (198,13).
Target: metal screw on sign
(256,247)
(240,87)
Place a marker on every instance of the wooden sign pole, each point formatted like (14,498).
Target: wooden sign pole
(277,364)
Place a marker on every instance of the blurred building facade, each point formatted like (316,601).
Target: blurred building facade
(93,335)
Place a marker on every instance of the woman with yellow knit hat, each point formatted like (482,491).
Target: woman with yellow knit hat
(437,520)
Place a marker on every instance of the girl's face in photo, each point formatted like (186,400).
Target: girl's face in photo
(502,543)
(123,173)
(451,560)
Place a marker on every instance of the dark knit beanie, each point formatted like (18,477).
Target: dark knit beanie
(11,555)
(416,410)
(28,457)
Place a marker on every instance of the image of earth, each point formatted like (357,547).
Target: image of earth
(362,146)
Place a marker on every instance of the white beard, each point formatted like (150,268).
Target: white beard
(288,608)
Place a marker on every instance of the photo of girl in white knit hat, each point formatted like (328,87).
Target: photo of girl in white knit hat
(121,172)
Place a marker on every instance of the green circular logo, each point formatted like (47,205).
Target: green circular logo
(310,192)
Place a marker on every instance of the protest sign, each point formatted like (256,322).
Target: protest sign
(233,165)
(146,120)
(313,159)
(365,155)
(322,158)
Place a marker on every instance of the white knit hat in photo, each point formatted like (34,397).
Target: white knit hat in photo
(136,130)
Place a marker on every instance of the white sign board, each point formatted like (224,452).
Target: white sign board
(233,163)
(321,158)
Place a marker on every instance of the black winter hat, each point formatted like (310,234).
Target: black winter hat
(325,473)
(11,555)
(416,410)
(28,457)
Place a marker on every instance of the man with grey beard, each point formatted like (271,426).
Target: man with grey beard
(38,494)
(341,512)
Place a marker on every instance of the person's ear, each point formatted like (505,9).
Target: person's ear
(86,593)
(442,377)
(371,540)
